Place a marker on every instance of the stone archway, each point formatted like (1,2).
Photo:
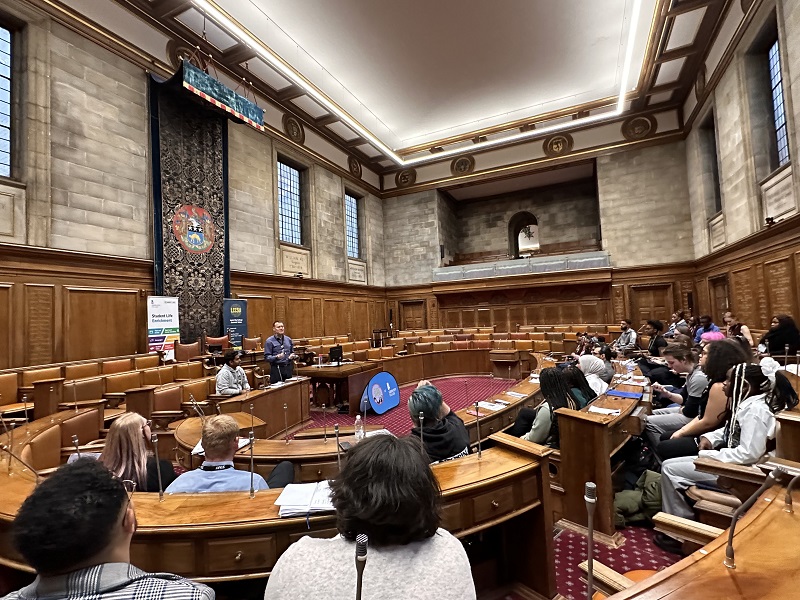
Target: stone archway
(523,234)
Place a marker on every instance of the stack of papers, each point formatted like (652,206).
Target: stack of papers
(491,405)
(301,499)
(515,394)
(612,412)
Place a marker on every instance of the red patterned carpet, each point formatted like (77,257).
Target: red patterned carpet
(457,392)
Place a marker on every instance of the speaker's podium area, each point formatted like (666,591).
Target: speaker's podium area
(527,239)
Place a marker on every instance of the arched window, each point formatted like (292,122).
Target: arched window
(523,235)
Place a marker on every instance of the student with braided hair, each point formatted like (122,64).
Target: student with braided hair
(540,424)
(755,393)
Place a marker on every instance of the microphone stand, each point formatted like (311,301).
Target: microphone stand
(338,447)
(286,422)
(771,479)
(361,561)
(197,408)
(77,445)
(478,426)
(252,465)
(11,442)
(154,440)
(422,432)
(11,455)
(590,497)
(788,508)
(324,425)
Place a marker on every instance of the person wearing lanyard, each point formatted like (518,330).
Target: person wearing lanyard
(220,440)
(279,353)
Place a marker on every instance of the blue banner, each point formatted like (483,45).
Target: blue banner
(234,320)
(381,392)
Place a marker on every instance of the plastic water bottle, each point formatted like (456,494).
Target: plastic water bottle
(359,427)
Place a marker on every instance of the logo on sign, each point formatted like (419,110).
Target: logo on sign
(236,310)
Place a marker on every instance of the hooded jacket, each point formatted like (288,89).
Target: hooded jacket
(445,439)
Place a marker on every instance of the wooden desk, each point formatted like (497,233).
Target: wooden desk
(505,363)
(268,405)
(766,561)
(347,381)
(225,536)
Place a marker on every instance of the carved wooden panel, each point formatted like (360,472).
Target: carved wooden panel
(650,302)
(318,329)
(361,322)
(379,317)
(260,315)
(334,313)
(299,319)
(6,339)
(94,324)
(468,318)
(451,318)
(483,317)
(39,323)
(433,313)
(779,276)
(763,305)
(618,302)
(516,316)
(743,299)
(500,319)
(280,309)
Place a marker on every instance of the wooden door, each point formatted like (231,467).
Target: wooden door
(651,302)
(412,315)
(719,299)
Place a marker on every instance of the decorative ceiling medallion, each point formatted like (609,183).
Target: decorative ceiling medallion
(354,166)
(405,178)
(193,226)
(178,52)
(700,82)
(294,129)
(639,127)
(558,145)
(462,165)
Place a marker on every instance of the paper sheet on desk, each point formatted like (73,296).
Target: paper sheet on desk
(198,449)
(611,412)
(299,499)
(491,405)
(514,394)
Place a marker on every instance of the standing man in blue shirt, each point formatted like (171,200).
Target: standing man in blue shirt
(279,353)
(706,325)
(217,474)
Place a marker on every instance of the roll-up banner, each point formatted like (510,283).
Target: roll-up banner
(163,325)
(234,320)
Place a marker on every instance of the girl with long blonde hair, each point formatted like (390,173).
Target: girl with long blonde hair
(126,453)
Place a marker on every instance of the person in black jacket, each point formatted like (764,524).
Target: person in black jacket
(782,333)
(444,433)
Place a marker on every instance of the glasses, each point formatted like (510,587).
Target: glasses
(130,487)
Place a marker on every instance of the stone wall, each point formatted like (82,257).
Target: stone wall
(644,205)
(411,236)
(251,224)
(566,213)
(328,242)
(373,238)
(99,150)
(448,228)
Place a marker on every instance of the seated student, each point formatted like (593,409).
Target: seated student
(711,336)
(705,325)
(627,341)
(678,320)
(782,333)
(387,492)
(220,442)
(445,435)
(231,379)
(593,368)
(755,393)
(75,529)
(606,354)
(579,387)
(653,328)
(708,411)
(737,330)
(126,454)
(540,425)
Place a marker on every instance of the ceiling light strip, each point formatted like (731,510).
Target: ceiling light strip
(231,26)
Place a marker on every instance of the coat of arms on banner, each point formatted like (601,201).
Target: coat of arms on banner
(194,228)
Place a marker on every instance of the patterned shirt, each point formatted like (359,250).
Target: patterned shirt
(113,581)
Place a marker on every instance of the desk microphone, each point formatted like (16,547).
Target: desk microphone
(361,561)
(771,479)
(77,445)
(11,455)
(422,432)
(252,465)
(154,440)
(788,508)
(338,448)
(197,408)
(478,427)
(590,497)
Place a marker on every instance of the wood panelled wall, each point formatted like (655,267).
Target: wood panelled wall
(57,306)
(310,307)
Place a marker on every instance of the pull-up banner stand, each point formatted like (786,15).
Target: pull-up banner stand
(234,320)
(163,325)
